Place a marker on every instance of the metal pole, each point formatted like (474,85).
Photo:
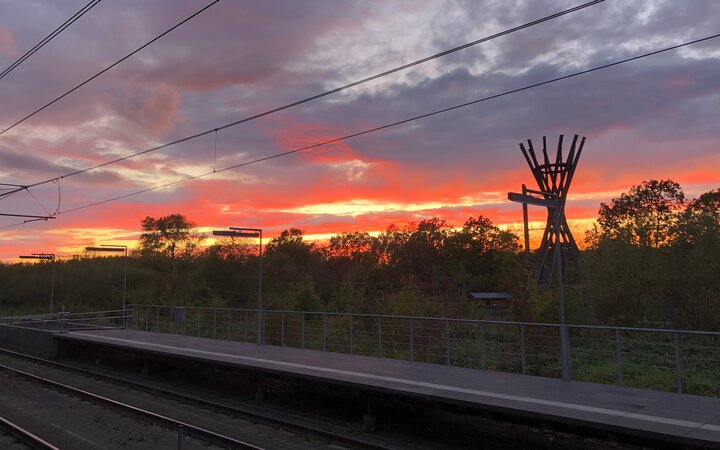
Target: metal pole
(214,322)
(125,289)
(483,350)
(52,284)
(412,342)
(302,329)
(351,335)
(678,369)
(324,336)
(379,330)
(179,436)
(525,226)
(564,338)
(447,342)
(618,357)
(261,332)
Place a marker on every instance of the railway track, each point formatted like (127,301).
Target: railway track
(22,437)
(199,432)
(268,418)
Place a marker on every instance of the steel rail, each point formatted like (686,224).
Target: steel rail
(25,436)
(235,410)
(198,432)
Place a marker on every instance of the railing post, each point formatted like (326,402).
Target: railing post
(147,318)
(137,313)
(483,350)
(379,336)
(229,325)
(262,326)
(157,319)
(324,334)
(565,352)
(214,322)
(412,342)
(282,329)
(351,335)
(678,369)
(447,342)
(302,330)
(180,437)
(197,322)
(618,357)
(522,349)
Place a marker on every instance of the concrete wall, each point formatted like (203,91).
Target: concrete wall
(28,340)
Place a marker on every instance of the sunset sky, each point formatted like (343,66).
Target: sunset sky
(652,118)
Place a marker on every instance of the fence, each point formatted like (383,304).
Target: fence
(672,360)
(65,321)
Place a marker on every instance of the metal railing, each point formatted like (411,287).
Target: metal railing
(662,359)
(65,321)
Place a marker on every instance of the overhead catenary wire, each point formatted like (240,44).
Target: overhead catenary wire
(39,203)
(49,37)
(320,95)
(394,124)
(107,68)
(19,224)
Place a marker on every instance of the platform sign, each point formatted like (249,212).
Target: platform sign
(530,200)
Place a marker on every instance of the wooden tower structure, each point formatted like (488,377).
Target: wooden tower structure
(553,177)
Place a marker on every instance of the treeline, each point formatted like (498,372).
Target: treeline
(426,268)
(654,256)
(653,259)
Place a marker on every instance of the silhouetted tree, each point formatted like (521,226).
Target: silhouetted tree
(645,216)
(172,236)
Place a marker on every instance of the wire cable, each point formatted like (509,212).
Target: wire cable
(400,122)
(105,70)
(326,93)
(18,224)
(38,202)
(59,202)
(49,37)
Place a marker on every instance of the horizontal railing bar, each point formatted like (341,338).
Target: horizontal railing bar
(309,314)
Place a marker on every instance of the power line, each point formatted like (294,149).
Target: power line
(326,93)
(19,224)
(49,37)
(104,70)
(394,124)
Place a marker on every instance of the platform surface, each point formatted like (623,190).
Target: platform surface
(661,415)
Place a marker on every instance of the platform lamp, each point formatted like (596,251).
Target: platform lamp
(116,248)
(251,233)
(45,257)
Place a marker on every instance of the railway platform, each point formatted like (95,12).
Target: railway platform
(660,416)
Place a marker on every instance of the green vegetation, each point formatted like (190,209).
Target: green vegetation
(652,260)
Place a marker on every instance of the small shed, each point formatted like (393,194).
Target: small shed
(492,300)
